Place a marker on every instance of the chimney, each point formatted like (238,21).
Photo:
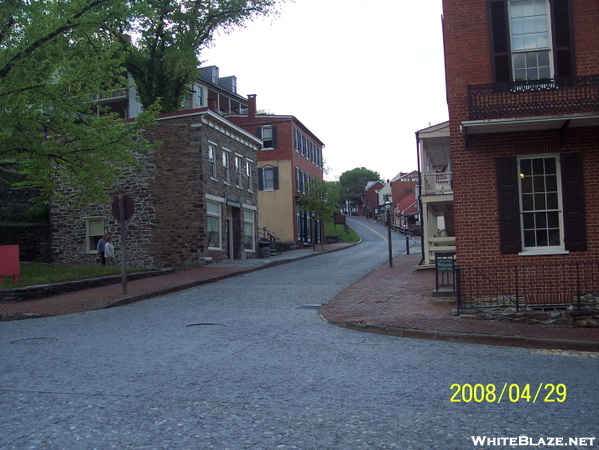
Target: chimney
(251,106)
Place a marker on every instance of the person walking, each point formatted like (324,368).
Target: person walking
(109,251)
(102,249)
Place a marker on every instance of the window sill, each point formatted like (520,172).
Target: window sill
(214,179)
(239,187)
(215,249)
(267,148)
(227,183)
(548,251)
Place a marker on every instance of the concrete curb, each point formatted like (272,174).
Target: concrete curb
(471,338)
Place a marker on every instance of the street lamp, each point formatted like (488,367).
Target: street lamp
(388,209)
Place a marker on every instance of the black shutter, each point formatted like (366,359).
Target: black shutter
(500,41)
(573,201)
(563,54)
(260,179)
(274,137)
(275,176)
(509,205)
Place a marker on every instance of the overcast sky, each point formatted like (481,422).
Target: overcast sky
(362,75)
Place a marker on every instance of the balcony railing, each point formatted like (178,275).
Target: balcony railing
(529,286)
(561,96)
(437,183)
(114,94)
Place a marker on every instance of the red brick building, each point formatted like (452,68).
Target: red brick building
(290,157)
(523,95)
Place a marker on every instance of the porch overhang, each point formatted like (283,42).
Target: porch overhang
(476,127)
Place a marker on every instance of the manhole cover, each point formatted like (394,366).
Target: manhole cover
(35,341)
(307,307)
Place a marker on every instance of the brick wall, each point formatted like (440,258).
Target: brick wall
(468,61)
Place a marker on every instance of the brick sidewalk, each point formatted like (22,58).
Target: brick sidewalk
(395,301)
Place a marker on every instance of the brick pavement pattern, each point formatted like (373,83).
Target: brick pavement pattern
(396,301)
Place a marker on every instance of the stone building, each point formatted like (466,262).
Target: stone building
(195,199)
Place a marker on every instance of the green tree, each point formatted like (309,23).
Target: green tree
(321,199)
(163,60)
(353,182)
(53,57)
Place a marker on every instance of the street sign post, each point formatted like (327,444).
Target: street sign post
(122,209)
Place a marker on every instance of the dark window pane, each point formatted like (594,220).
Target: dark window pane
(528,221)
(542,240)
(525,167)
(526,185)
(540,202)
(539,184)
(529,239)
(552,201)
(553,220)
(554,237)
(541,220)
(527,203)
(551,183)
(537,166)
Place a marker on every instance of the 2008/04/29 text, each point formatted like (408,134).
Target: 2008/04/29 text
(490,393)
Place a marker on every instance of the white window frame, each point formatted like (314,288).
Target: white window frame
(541,249)
(214,214)
(271,170)
(527,50)
(226,167)
(249,223)
(199,96)
(249,174)
(267,139)
(212,162)
(239,170)
(91,247)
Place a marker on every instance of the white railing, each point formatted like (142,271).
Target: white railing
(437,183)
(110,95)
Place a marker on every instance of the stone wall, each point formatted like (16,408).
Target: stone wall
(169,191)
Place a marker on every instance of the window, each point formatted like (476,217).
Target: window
(249,231)
(199,96)
(531,39)
(226,169)
(238,171)
(268,136)
(268,178)
(212,162)
(540,210)
(214,227)
(249,175)
(94,229)
(541,204)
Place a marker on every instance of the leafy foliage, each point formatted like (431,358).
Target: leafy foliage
(164,59)
(56,55)
(353,182)
(53,57)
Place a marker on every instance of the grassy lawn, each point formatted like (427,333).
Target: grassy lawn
(337,230)
(32,274)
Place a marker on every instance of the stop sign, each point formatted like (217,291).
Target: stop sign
(129,207)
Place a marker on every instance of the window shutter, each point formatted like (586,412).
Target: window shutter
(260,179)
(275,176)
(573,201)
(509,205)
(500,41)
(274,137)
(563,54)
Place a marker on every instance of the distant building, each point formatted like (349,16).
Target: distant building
(291,156)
